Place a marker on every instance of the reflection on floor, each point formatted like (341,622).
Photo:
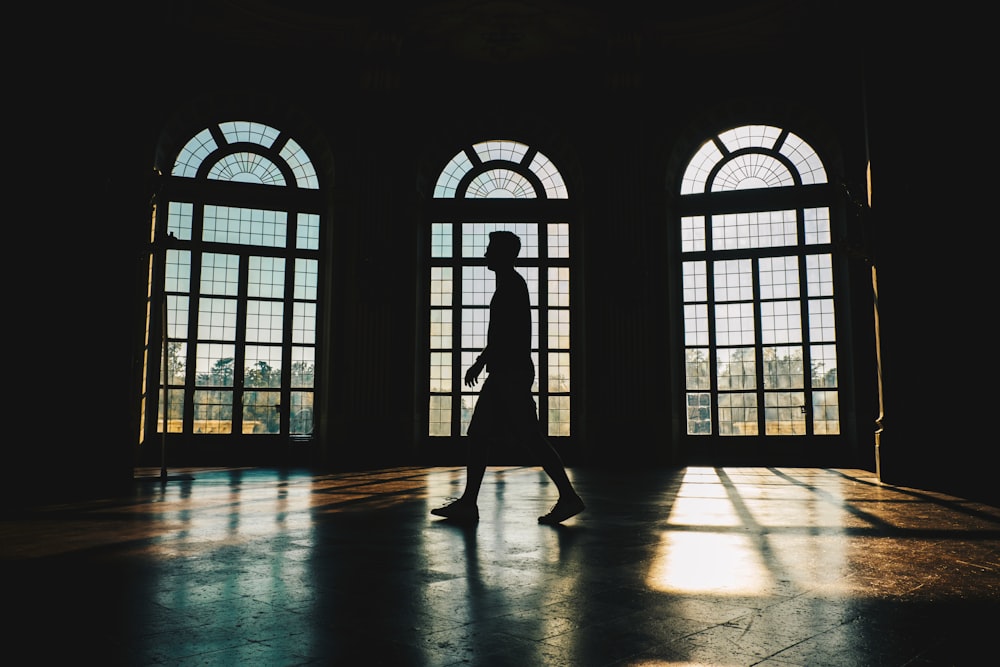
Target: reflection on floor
(697,566)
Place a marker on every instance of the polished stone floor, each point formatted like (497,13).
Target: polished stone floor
(693,566)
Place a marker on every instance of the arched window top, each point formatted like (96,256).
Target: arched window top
(501,165)
(244,164)
(752,156)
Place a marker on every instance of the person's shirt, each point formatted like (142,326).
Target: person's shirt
(508,340)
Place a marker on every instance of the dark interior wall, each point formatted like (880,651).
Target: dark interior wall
(612,107)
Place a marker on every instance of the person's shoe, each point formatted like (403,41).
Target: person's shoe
(562,510)
(460,511)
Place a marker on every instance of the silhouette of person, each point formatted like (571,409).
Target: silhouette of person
(506,409)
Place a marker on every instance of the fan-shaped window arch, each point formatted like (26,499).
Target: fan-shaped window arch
(234,277)
(757,275)
(488,186)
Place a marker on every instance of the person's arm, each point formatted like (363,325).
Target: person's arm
(472,375)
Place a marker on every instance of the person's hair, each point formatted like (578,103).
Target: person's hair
(506,244)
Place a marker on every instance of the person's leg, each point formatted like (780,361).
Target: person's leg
(569,503)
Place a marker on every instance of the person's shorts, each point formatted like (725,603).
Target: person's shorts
(505,408)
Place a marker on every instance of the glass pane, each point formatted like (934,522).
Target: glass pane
(262,366)
(826,413)
(697,369)
(734,324)
(817,225)
(699,413)
(696,325)
(558,329)
(822,327)
(439,414)
(301,164)
(178,275)
(737,368)
(303,367)
(558,416)
(266,277)
(441,287)
(304,323)
(475,322)
(558,287)
(213,411)
(301,422)
(695,281)
(475,237)
(764,229)
(819,275)
(783,367)
(441,371)
(733,280)
(175,417)
(179,219)
(468,406)
(779,277)
(215,364)
(177,316)
(738,414)
(784,413)
(246,167)
(440,335)
(247,226)
(306,279)
(217,319)
(478,284)
(176,362)
(780,322)
(824,366)
(500,184)
(265,320)
(441,240)
(558,240)
(559,372)
(260,412)
(752,170)
(220,274)
(307,231)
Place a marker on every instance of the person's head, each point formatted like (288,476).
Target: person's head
(503,249)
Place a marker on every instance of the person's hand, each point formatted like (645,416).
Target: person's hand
(472,375)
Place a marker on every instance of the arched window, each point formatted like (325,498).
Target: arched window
(497,185)
(760,336)
(235,258)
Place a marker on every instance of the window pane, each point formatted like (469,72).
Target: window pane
(260,412)
(783,368)
(784,413)
(780,322)
(779,277)
(267,277)
(440,371)
(824,366)
(265,320)
(826,413)
(213,411)
(559,372)
(262,366)
(303,366)
(439,416)
(246,226)
(738,414)
(303,323)
(697,369)
(217,319)
(699,413)
(737,368)
(220,274)
(734,324)
(307,231)
(440,335)
(306,277)
(215,364)
(559,416)
(301,422)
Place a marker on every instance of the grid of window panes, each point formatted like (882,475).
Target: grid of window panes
(460,291)
(240,284)
(758,298)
